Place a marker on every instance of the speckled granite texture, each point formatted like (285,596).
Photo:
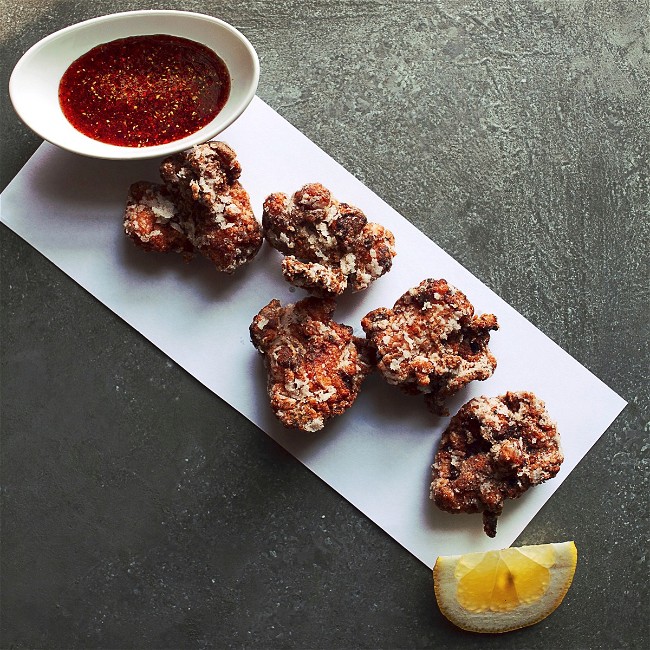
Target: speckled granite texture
(140,511)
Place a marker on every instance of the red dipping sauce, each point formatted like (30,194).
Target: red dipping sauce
(144,90)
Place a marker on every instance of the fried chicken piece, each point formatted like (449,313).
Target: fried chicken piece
(315,366)
(152,220)
(328,245)
(215,210)
(431,342)
(494,448)
(202,208)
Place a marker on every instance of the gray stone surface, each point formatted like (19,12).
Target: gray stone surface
(140,511)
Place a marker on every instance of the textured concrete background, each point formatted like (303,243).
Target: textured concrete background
(140,511)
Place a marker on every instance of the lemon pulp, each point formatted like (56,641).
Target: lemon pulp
(500,582)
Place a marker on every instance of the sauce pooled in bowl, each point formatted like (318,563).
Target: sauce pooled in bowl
(142,91)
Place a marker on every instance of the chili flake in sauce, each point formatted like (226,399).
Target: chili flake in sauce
(141,91)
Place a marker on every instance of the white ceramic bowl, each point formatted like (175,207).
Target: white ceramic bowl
(34,83)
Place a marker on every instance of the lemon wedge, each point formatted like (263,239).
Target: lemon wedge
(500,591)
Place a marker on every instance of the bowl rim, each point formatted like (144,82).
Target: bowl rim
(117,152)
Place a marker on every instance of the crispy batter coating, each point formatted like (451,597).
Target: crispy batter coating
(315,366)
(431,342)
(494,448)
(152,220)
(216,209)
(328,245)
(211,210)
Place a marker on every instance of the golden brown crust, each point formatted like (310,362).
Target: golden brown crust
(212,211)
(494,449)
(216,209)
(151,219)
(329,245)
(431,342)
(309,275)
(315,366)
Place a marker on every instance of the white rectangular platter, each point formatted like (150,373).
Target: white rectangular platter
(378,454)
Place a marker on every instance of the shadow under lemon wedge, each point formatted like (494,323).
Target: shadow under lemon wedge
(504,590)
